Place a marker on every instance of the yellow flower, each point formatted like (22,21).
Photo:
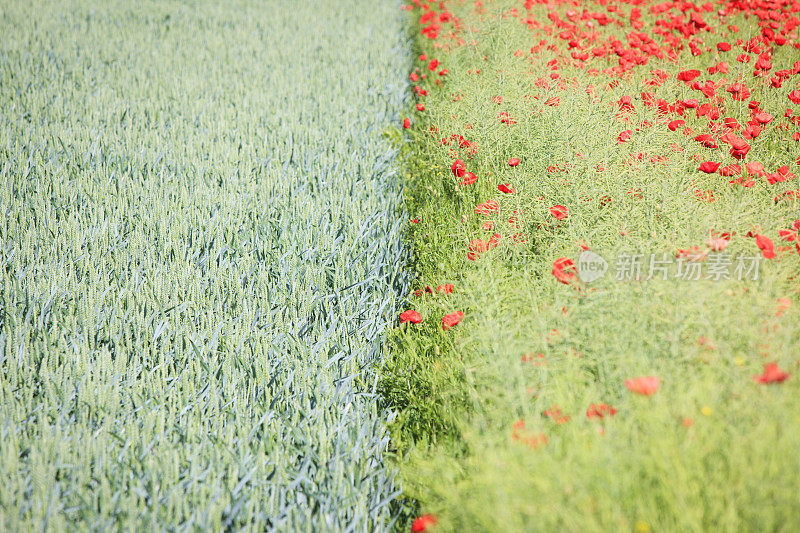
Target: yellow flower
(706,410)
(642,527)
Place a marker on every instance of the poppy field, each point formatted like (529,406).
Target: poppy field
(200,251)
(601,331)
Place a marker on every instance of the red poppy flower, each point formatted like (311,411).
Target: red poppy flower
(625,103)
(600,410)
(722,67)
(487,208)
(564,270)
(783,305)
(519,434)
(717,244)
(739,147)
(478,245)
(448,321)
(556,415)
(788,234)
(730,122)
(646,385)
(783,174)
(688,75)
(420,107)
(763,118)
(624,136)
(739,91)
(706,140)
(423,523)
(737,143)
(709,167)
(559,211)
(506,188)
(447,288)
(772,374)
(766,246)
(469,179)
(752,130)
(458,168)
(754,168)
(675,124)
(794,96)
(731,170)
(406,123)
(691,254)
(514,161)
(410,316)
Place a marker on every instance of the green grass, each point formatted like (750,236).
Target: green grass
(459,393)
(200,252)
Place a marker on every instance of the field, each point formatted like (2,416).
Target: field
(657,140)
(201,248)
(464,265)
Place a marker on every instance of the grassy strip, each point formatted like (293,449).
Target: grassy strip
(199,254)
(528,414)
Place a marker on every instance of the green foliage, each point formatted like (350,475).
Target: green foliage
(734,466)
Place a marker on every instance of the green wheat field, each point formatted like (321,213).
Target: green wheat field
(200,252)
